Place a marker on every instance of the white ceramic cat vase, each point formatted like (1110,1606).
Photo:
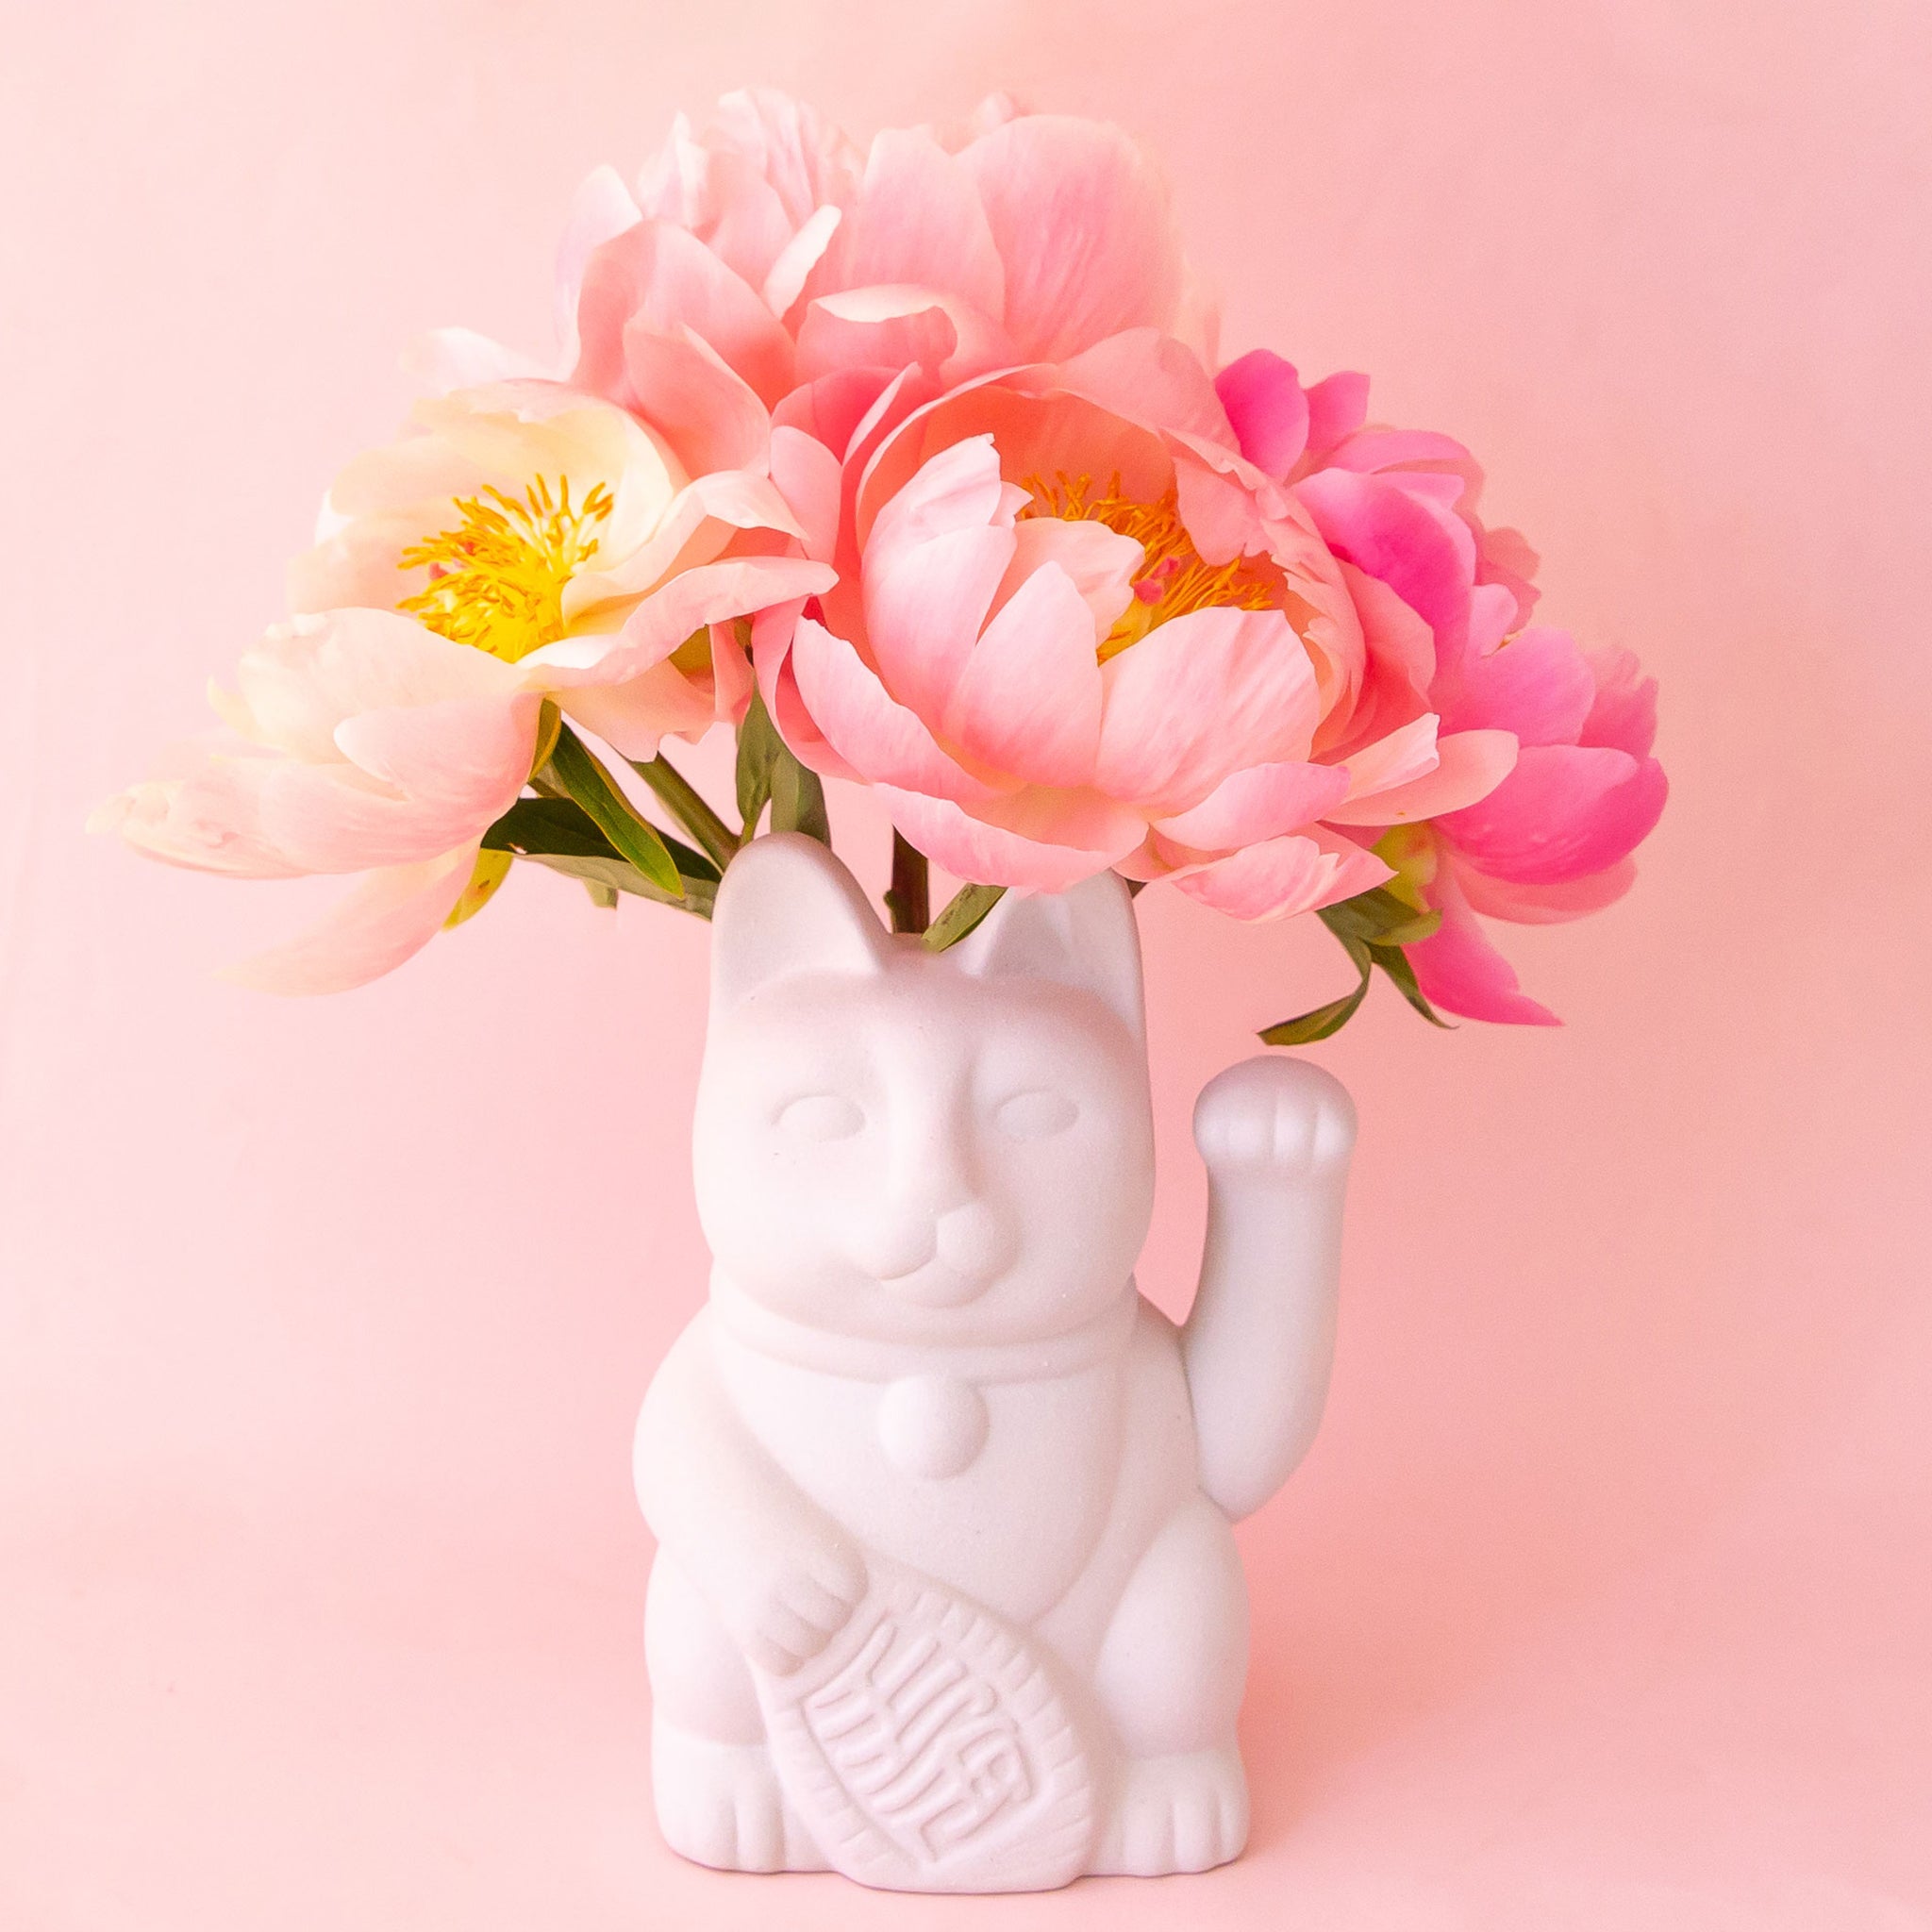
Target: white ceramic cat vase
(946,1598)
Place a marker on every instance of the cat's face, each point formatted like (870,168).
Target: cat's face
(951,1148)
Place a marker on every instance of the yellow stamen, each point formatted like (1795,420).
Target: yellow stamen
(1174,578)
(496,579)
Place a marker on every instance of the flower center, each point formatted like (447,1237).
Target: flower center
(496,579)
(1175,578)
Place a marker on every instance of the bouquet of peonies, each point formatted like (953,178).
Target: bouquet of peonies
(917,467)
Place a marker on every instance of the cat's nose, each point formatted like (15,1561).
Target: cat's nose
(977,1241)
(891,1248)
(943,1261)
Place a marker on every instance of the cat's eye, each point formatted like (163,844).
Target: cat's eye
(821,1117)
(1034,1115)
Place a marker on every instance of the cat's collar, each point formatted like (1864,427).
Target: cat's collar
(866,1358)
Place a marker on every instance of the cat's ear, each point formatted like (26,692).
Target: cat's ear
(786,906)
(1084,937)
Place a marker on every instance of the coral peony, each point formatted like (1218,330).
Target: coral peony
(1044,682)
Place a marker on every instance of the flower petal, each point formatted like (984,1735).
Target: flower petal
(1469,766)
(1084,229)
(337,818)
(918,218)
(601,209)
(1623,715)
(1262,802)
(1102,563)
(876,328)
(923,608)
(1460,972)
(1054,851)
(708,414)
(711,593)
(1337,406)
(1564,812)
(635,717)
(1265,403)
(1027,698)
(1148,378)
(1279,878)
(390,916)
(1423,552)
(695,527)
(307,675)
(1200,696)
(879,738)
(959,489)
(666,280)
(1546,905)
(465,754)
(207,819)
(1537,685)
(806,475)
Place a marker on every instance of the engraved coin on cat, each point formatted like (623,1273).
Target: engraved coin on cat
(932,1426)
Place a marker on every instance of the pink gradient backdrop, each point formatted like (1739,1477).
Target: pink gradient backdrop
(1605,1598)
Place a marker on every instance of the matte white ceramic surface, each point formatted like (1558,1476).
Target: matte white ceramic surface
(946,1598)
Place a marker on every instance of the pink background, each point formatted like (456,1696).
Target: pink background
(1605,1598)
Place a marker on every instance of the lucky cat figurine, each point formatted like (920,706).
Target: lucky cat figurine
(946,1598)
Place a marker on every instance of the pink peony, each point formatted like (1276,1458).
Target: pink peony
(1443,603)
(766,273)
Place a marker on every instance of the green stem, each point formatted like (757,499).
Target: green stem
(908,899)
(685,804)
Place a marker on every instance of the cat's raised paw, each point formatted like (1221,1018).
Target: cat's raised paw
(1275,1117)
(1186,1814)
(791,1601)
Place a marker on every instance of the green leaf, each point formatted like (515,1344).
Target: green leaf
(616,874)
(963,911)
(1423,925)
(1380,918)
(1394,963)
(759,748)
(547,825)
(1319,1023)
(549,725)
(798,800)
(636,839)
(535,826)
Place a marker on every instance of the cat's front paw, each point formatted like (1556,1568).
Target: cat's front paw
(1186,1814)
(1274,1117)
(791,1603)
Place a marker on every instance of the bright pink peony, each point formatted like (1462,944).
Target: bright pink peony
(1443,603)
